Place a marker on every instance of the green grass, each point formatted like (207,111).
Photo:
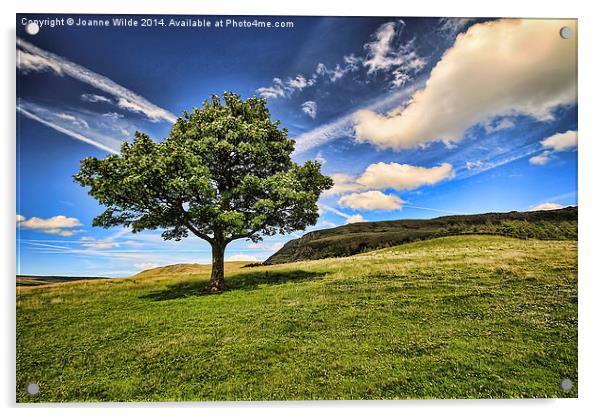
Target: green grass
(455,317)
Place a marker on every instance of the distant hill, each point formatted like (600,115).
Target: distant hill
(28,280)
(560,224)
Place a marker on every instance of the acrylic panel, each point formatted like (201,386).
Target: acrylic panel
(228,208)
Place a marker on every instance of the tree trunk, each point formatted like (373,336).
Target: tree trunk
(217,267)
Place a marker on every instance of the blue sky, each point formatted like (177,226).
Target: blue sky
(412,117)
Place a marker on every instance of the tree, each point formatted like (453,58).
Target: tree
(223,173)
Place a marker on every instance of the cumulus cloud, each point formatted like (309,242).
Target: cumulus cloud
(403,177)
(561,141)
(59,224)
(32,58)
(540,159)
(496,125)
(242,257)
(504,67)
(352,219)
(545,206)
(310,108)
(344,125)
(343,183)
(390,176)
(371,201)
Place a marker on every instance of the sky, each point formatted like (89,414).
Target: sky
(411,117)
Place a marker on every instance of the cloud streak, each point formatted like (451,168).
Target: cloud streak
(111,148)
(32,58)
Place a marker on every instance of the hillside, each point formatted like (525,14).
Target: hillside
(30,280)
(453,317)
(355,238)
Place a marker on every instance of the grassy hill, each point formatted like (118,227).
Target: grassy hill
(452,317)
(355,238)
(27,280)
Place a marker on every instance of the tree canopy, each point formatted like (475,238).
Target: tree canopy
(224,173)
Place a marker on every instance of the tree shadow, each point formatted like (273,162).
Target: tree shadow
(243,281)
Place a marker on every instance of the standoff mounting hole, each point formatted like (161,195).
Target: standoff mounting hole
(566,384)
(33,389)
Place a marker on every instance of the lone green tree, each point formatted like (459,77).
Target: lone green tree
(223,173)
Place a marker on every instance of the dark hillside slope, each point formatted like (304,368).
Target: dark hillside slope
(560,224)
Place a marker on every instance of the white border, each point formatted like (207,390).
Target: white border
(589,196)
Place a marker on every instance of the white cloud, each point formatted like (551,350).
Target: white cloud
(310,108)
(51,118)
(387,52)
(320,158)
(505,67)
(95,98)
(453,25)
(540,159)
(337,72)
(300,82)
(348,218)
(59,225)
(370,201)
(61,66)
(278,89)
(344,125)
(477,164)
(29,62)
(501,124)
(266,246)
(545,206)
(242,257)
(78,122)
(355,218)
(113,115)
(101,245)
(561,141)
(389,176)
(403,177)
(146,266)
(343,183)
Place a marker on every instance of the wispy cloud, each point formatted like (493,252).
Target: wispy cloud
(87,127)
(387,52)
(31,58)
(349,218)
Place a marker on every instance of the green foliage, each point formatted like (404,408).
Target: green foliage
(224,173)
(455,317)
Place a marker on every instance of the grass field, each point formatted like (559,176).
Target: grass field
(454,317)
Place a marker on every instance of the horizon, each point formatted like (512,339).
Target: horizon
(365,101)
